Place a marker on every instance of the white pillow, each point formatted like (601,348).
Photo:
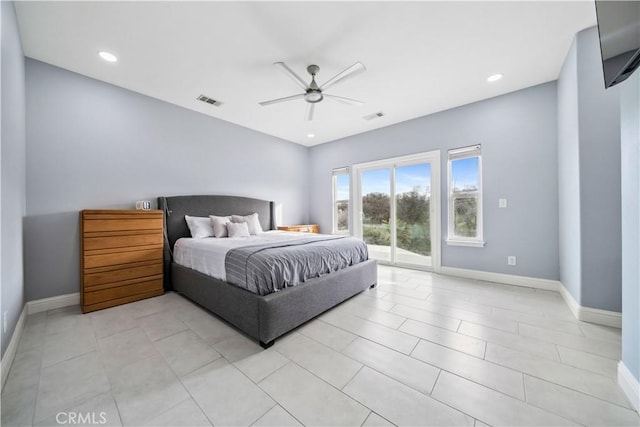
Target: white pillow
(219,224)
(239,229)
(200,227)
(253,223)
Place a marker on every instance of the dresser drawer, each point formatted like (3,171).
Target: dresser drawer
(122,241)
(116,292)
(104,276)
(132,224)
(124,257)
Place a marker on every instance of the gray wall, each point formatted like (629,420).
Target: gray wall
(630,138)
(94,145)
(599,118)
(519,153)
(13,170)
(589,170)
(569,174)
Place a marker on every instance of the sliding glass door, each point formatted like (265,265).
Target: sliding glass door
(396,211)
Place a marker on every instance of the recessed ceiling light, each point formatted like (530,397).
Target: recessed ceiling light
(494,78)
(311,135)
(109,57)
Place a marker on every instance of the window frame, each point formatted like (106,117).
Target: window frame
(334,206)
(452,239)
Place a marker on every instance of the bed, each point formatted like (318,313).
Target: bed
(262,317)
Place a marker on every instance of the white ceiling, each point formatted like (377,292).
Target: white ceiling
(421,57)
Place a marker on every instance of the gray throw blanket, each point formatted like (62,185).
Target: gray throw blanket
(266,268)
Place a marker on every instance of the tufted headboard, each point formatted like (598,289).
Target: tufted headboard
(176,207)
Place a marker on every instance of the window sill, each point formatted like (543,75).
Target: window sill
(468,243)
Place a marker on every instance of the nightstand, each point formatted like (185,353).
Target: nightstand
(302,228)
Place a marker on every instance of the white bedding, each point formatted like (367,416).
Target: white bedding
(208,255)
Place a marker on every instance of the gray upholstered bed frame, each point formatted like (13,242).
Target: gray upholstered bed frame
(262,317)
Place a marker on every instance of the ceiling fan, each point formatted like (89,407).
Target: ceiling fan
(314,93)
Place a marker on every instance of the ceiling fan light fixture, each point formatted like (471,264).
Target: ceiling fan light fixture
(313,96)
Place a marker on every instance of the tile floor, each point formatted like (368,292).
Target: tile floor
(421,349)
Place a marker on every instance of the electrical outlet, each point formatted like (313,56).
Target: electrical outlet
(4,322)
(502,203)
(511,260)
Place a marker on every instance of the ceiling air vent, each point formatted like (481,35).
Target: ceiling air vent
(373,116)
(208,100)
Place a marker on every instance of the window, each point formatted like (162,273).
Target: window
(341,201)
(465,197)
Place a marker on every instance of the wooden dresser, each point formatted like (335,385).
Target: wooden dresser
(120,257)
(302,228)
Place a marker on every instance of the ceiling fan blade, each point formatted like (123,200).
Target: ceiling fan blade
(286,98)
(354,70)
(296,78)
(344,100)
(308,116)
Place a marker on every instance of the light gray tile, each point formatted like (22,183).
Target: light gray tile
(375,420)
(486,373)
(327,334)
(570,327)
(577,379)
(262,364)
(404,291)
(126,347)
(588,361)
(492,407)
(18,406)
(427,317)
(311,400)
(460,304)
(145,388)
(372,314)
(185,352)
(372,331)
(226,396)
(81,378)
(185,413)
(24,371)
(160,325)
(326,363)
(608,349)
(456,341)
(401,367)
(111,321)
(68,343)
(208,327)
(369,299)
(33,337)
(576,406)
(400,404)
(510,340)
(145,307)
(237,347)
(99,410)
(600,332)
(277,417)
(66,318)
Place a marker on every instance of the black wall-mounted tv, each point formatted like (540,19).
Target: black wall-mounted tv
(619,30)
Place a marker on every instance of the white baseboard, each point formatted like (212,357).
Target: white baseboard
(52,303)
(10,353)
(629,384)
(509,279)
(585,314)
(588,314)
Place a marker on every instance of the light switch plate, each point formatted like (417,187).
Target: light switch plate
(502,203)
